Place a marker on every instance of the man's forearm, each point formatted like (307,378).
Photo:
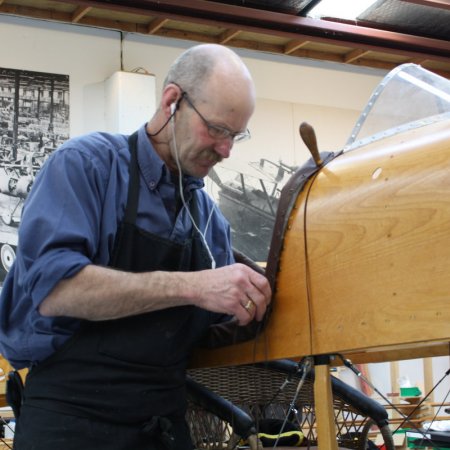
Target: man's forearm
(100,293)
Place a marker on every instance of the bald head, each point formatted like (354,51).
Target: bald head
(197,67)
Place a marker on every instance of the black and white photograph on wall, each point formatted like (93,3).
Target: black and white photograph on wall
(34,121)
(248,193)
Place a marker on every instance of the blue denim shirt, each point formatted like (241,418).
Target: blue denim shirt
(70,220)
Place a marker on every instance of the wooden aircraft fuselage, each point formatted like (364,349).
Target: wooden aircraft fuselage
(364,268)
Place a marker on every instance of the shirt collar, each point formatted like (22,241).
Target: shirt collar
(153,168)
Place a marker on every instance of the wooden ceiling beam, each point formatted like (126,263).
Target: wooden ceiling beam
(279,49)
(419,61)
(156,24)
(389,66)
(80,12)
(227,36)
(354,55)
(294,45)
(35,13)
(129,27)
(182,34)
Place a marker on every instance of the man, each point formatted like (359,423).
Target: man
(123,265)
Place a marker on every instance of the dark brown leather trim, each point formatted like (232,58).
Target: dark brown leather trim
(229,333)
(288,198)
(240,257)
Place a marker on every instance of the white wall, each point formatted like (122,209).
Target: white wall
(49,47)
(289,90)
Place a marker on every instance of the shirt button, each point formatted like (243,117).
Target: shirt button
(152,184)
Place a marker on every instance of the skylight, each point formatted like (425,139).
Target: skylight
(343,9)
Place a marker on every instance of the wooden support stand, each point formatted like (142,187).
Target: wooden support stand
(326,431)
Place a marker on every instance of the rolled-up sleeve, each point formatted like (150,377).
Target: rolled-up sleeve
(59,230)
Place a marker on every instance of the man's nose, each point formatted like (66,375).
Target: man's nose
(223,147)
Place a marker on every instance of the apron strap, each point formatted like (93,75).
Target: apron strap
(133,184)
(14,392)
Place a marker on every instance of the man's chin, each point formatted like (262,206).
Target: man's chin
(201,171)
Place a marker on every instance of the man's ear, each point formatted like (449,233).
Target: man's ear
(171,97)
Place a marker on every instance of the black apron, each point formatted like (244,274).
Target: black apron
(127,375)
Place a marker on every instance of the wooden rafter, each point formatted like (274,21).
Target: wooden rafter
(354,55)
(227,36)
(80,12)
(294,45)
(156,24)
(420,61)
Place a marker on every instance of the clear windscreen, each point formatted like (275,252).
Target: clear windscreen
(408,97)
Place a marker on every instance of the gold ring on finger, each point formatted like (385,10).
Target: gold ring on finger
(249,305)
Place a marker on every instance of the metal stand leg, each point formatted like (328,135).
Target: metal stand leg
(326,430)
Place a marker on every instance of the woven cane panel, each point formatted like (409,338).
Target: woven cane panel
(249,384)
(258,392)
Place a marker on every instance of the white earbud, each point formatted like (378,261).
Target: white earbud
(173,108)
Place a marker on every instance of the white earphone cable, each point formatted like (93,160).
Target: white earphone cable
(180,184)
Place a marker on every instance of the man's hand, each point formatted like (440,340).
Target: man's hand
(236,290)
(101,293)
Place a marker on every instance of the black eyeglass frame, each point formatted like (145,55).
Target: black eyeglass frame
(217,131)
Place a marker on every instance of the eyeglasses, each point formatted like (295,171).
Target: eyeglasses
(217,131)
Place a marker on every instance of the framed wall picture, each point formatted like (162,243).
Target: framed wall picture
(34,121)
